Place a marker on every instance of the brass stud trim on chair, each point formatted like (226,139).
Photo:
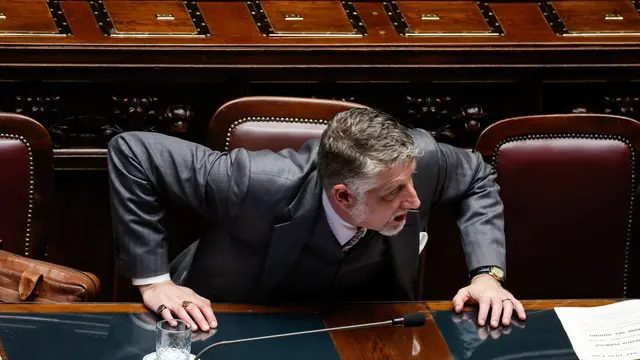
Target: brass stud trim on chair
(239,122)
(26,143)
(619,138)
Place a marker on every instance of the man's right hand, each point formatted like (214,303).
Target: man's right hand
(198,313)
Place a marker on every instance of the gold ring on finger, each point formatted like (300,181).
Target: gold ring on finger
(186,303)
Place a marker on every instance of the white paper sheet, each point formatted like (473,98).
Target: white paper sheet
(603,332)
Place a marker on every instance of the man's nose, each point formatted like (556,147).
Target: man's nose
(412,201)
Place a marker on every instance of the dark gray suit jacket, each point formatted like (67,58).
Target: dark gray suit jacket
(260,207)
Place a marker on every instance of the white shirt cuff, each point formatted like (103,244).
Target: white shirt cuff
(150,280)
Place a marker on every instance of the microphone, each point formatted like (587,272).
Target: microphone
(409,320)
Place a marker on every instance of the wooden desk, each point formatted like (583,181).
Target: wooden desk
(426,342)
(374,343)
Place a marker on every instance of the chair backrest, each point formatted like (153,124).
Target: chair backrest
(271,122)
(26,185)
(568,186)
(258,123)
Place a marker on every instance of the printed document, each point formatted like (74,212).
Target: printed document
(603,332)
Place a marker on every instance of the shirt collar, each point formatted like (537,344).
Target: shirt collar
(342,230)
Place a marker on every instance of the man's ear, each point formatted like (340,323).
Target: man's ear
(342,197)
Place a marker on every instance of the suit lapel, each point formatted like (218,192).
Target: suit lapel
(288,238)
(405,249)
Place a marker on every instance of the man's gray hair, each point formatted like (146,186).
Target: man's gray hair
(359,143)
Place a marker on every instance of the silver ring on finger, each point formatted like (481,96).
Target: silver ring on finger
(507,299)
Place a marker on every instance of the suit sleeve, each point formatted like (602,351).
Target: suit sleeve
(148,171)
(467,181)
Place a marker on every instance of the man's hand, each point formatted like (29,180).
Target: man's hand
(487,291)
(198,313)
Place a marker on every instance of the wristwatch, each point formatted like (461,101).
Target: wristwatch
(495,271)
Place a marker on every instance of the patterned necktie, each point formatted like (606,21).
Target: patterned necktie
(356,237)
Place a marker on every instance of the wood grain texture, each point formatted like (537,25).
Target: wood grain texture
(424,342)
(373,311)
(138,307)
(589,16)
(26,16)
(317,17)
(80,159)
(236,43)
(140,17)
(534,304)
(232,26)
(384,308)
(454,16)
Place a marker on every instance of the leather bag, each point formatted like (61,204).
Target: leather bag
(28,280)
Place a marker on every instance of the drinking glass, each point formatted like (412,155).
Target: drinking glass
(173,342)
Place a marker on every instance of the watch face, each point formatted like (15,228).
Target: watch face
(497,272)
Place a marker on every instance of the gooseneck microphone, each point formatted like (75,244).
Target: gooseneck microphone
(409,320)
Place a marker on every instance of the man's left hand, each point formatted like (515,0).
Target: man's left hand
(488,293)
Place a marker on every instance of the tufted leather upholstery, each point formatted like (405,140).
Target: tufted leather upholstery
(15,193)
(26,176)
(26,190)
(271,122)
(568,186)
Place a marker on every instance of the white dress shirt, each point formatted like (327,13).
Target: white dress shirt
(342,230)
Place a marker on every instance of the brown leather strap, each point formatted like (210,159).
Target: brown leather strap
(28,282)
(3,355)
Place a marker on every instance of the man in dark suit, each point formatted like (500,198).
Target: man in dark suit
(338,219)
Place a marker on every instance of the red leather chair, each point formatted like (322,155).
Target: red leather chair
(568,184)
(271,122)
(26,190)
(26,180)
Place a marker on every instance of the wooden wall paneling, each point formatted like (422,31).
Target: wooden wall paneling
(83,236)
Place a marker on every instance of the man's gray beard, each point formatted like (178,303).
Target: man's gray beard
(391,231)
(359,213)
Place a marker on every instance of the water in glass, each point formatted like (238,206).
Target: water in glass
(173,342)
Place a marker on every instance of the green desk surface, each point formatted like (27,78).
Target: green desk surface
(130,336)
(541,336)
